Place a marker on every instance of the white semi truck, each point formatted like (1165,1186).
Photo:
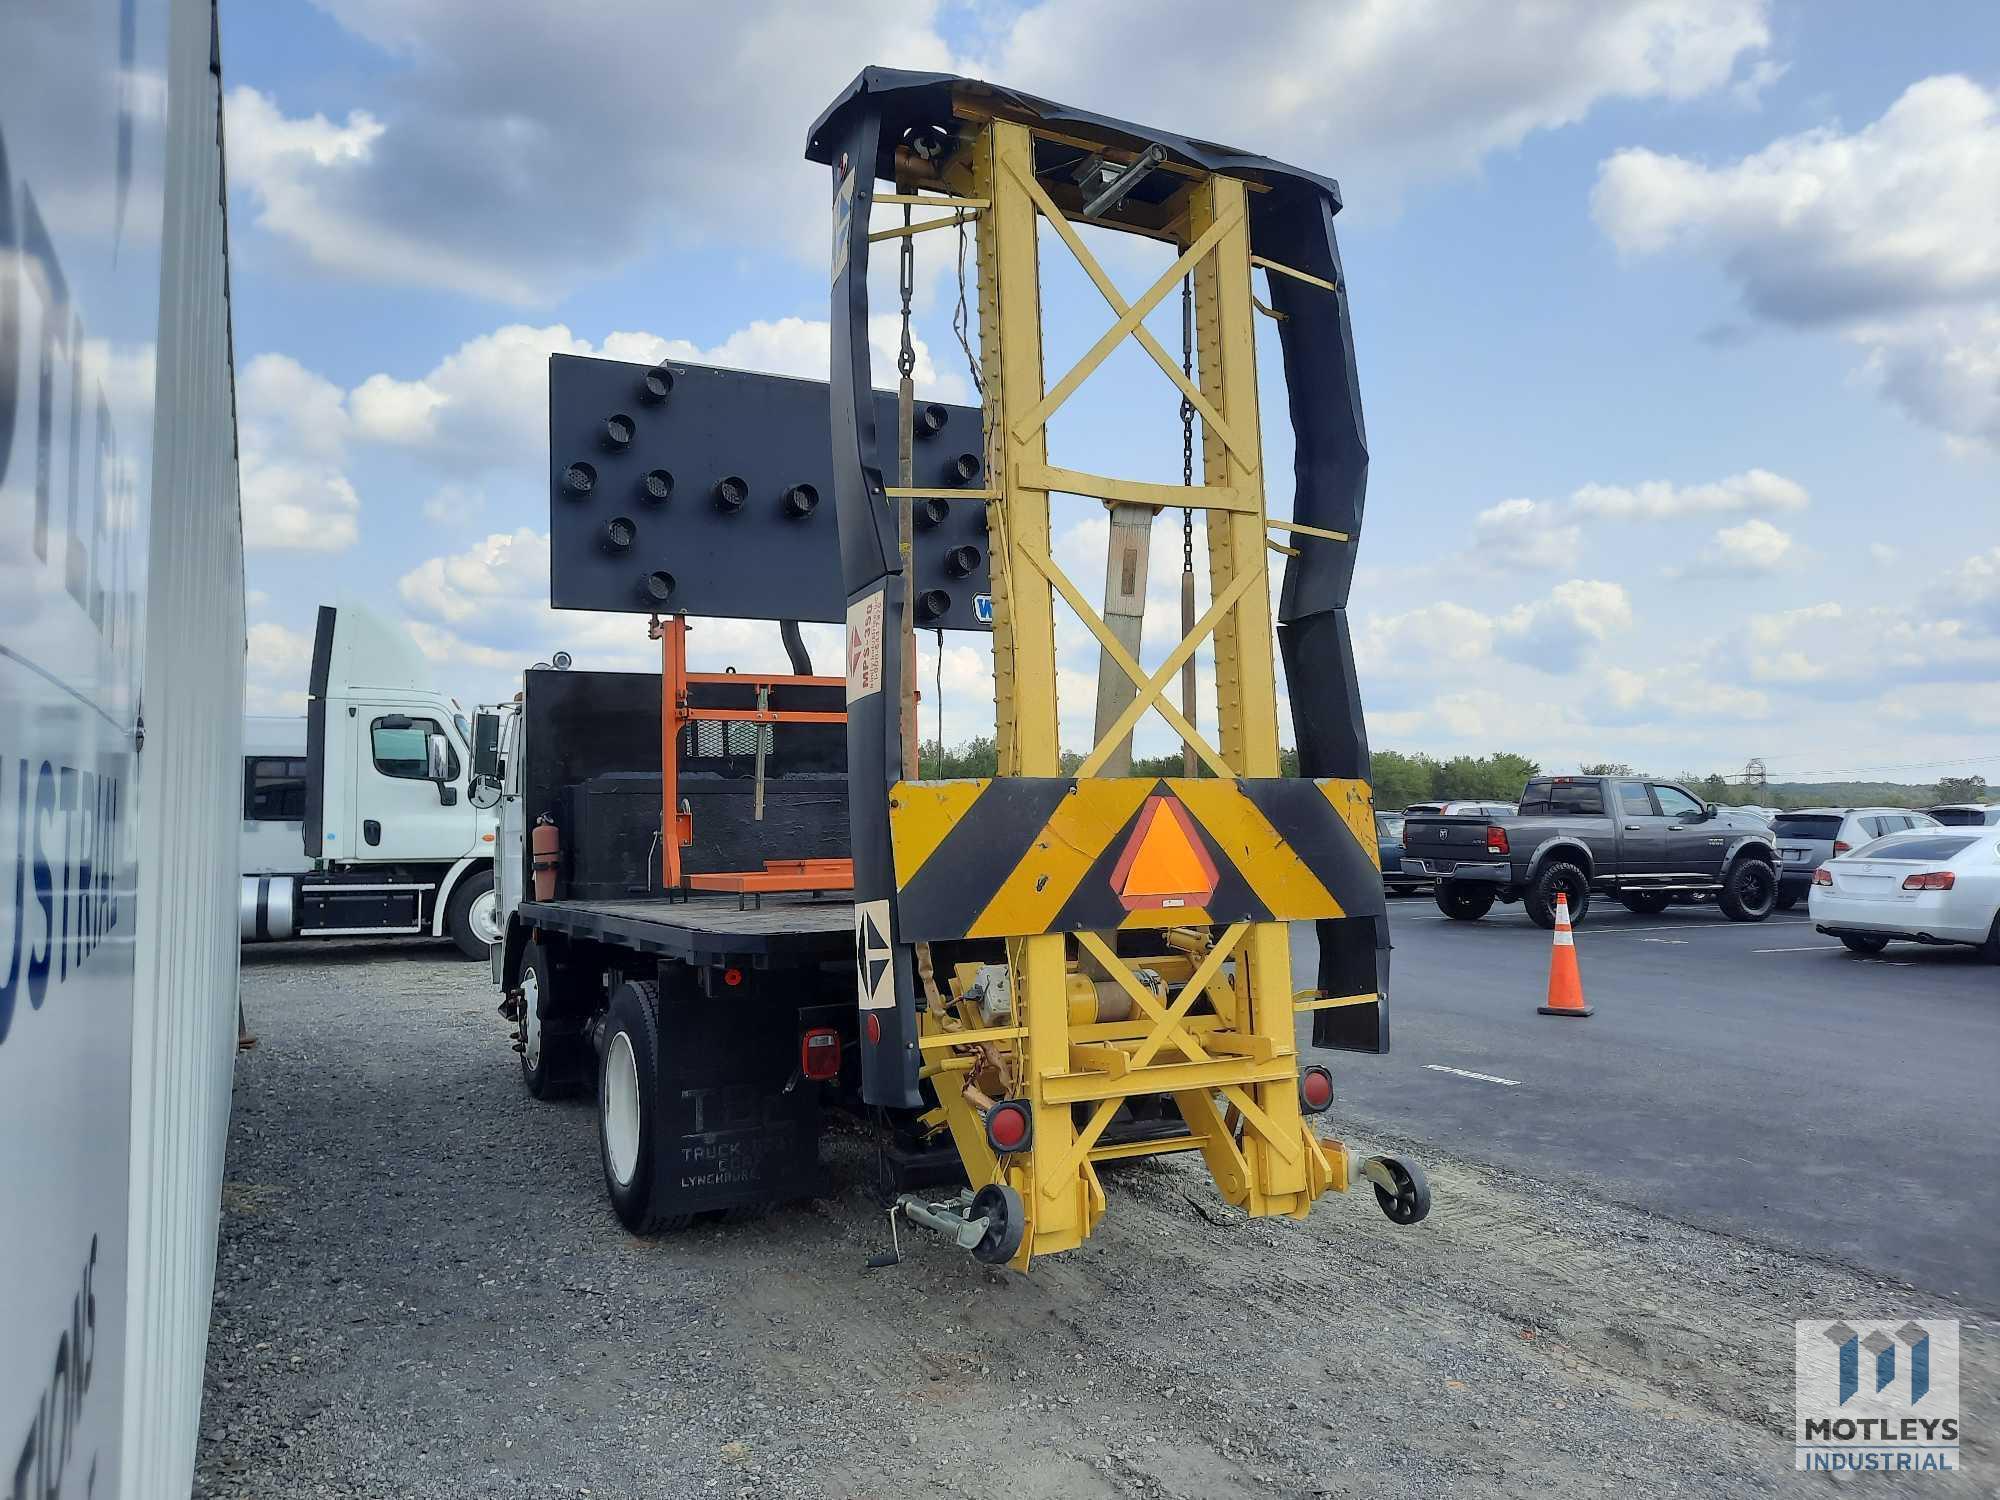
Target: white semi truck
(358,819)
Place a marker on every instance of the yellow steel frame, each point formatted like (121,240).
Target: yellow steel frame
(1233,1072)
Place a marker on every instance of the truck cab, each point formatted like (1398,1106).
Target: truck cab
(391,841)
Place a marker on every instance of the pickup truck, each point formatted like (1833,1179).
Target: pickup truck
(1640,841)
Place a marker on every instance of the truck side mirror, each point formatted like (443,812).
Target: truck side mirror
(486,747)
(437,757)
(1711,809)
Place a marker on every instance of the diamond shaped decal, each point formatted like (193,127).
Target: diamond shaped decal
(1164,863)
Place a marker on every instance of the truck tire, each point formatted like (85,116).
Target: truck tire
(628,1097)
(1749,890)
(1645,903)
(472,916)
(1462,903)
(552,1065)
(1539,899)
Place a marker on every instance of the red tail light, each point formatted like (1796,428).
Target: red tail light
(1931,880)
(1822,876)
(1496,839)
(819,1054)
(1315,1089)
(1841,846)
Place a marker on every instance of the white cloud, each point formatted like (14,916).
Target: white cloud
(292,434)
(486,403)
(519,149)
(1886,234)
(1661,500)
(1526,534)
(276,666)
(522,148)
(1553,634)
(1754,548)
(1378,95)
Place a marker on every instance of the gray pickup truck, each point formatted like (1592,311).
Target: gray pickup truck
(1632,838)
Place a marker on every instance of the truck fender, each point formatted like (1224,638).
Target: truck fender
(513,944)
(447,885)
(1575,851)
(1750,843)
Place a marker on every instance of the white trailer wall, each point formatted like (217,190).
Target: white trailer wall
(184,1022)
(120,606)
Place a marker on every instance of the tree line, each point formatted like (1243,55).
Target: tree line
(1403,777)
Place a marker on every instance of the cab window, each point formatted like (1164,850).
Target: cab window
(274,789)
(1633,800)
(398,747)
(1676,803)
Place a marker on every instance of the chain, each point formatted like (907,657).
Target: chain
(1187,421)
(906,282)
(961,320)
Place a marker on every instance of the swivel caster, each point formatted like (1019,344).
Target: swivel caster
(1400,1187)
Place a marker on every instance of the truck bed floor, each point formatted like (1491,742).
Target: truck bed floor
(705,928)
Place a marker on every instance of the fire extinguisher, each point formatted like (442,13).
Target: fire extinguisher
(545,847)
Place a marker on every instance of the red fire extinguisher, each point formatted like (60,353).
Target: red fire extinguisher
(545,847)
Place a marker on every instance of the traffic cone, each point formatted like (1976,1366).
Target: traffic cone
(1565,983)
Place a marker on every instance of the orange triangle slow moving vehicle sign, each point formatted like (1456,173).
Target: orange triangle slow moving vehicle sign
(1164,863)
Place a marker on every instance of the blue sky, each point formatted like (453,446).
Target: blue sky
(1678,325)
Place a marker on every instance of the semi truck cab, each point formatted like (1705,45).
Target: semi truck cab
(392,841)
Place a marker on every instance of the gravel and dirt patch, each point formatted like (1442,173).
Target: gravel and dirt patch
(421,1291)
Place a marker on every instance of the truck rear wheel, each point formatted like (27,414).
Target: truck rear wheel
(1557,876)
(1462,903)
(628,1100)
(552,1063)
(472,916)
(1749,890)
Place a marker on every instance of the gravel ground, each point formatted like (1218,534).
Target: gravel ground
(420,1291)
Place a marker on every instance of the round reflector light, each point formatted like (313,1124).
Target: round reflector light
(1009,1127)
(1315,1089)
(874,1028)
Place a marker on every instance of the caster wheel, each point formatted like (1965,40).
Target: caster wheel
(1411,1200)
(1007,1223)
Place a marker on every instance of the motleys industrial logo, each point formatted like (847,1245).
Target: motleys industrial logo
(1876,1395)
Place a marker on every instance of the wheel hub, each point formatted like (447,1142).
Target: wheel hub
(531,1020)
(484,917)
(620,1109)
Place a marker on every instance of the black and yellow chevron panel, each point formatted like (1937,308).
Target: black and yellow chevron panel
(1016,856)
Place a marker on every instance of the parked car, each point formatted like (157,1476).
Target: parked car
(1461,809)
(1939,886)
(1810,836)
(1966,814)
(1389,844)
(1639,840)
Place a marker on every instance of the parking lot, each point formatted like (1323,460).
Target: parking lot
(421,1291)
(1751,1076)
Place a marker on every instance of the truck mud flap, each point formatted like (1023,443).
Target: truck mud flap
(737,1124)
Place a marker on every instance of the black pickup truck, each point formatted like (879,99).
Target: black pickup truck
(1638,840)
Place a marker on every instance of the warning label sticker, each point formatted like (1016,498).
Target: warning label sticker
(864,647)
(875,960)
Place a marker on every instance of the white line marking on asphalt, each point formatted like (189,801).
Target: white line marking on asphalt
(1809,948)
(1512,1083)
(1670,942)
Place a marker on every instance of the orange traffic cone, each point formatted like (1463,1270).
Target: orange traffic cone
(1565,983)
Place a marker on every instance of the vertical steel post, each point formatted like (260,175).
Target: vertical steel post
(1024,665)
(1245,672)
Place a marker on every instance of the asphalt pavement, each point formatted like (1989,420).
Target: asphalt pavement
(1754,1078)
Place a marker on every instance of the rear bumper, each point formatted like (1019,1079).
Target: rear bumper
(1489,872)
(1839,916)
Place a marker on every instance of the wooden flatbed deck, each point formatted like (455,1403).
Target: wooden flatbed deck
(707,928)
